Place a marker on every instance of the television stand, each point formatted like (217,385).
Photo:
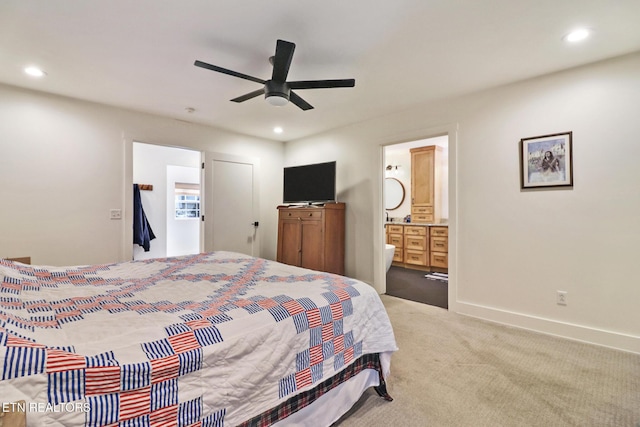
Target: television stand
(312,236)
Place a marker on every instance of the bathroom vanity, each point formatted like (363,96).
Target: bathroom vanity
(419,246)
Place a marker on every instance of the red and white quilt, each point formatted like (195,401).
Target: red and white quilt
(204,340)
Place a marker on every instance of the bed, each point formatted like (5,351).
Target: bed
(214,339)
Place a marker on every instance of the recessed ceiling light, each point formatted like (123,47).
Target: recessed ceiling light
(277,129)
(34,72)
(577,35)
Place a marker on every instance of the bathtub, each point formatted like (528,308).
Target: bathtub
(389,250)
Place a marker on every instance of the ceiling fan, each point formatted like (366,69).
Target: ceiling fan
(278,91)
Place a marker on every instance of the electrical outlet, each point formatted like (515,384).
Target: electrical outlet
(561,298)
(115,214)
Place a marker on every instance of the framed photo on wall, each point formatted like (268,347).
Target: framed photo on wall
(546,161)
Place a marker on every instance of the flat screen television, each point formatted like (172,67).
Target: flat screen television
(314,183)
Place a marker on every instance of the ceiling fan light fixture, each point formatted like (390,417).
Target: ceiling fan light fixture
(278,100)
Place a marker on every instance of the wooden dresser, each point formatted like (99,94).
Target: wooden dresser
(312,237)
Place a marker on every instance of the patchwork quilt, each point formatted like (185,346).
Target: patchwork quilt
(212,339)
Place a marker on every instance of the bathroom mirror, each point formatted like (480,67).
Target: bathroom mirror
(393,193)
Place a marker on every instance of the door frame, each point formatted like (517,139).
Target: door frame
(451,130)
(207,199)
(126,251)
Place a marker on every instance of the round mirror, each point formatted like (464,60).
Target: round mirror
(393,193)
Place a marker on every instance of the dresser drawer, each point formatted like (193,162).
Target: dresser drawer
(439,244)
(396,240)
(300,213)
(439,231)
(398,255)
(439,260)
(422,214)
(415,257)
(421,210)
(415,230)
(397,229)
(418,243)
(426,218)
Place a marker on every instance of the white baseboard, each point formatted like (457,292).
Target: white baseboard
(570,331)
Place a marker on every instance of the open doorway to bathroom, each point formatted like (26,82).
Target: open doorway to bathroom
(416,220)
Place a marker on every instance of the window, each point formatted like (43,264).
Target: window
(187,200)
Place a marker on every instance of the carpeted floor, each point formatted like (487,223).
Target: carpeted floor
(453,370)
(413,285)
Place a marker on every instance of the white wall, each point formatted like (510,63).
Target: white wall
(65,163)
(511,250)
(402,159)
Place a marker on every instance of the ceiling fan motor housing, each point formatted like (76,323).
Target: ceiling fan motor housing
(276,93)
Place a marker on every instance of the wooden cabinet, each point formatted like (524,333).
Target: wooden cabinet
(312,237)
(422,247)
(427,169)
(416,251)
(439,247)
(395,237)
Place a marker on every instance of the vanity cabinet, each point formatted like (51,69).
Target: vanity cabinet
(416,250)
(312,237)
(439,247)
(422,247)
(427,169)
(395,237)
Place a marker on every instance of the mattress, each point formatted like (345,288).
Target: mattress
(214,339)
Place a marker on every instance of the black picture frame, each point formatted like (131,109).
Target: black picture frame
(546,161)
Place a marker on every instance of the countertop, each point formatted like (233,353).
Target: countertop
(422,224)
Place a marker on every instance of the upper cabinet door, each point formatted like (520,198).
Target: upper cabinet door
(422,176)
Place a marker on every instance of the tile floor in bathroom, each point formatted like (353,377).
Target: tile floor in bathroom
(413,285)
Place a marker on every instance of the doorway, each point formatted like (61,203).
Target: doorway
(160,168)
(415,274)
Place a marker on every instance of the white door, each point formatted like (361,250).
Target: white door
(231,204)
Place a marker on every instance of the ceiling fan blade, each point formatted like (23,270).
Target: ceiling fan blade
(304,105)
(229,72)
(282,60)
(249,95)
(322,84)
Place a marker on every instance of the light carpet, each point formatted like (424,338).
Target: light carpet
(453,370)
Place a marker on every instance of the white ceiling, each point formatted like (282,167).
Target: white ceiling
(139,54)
